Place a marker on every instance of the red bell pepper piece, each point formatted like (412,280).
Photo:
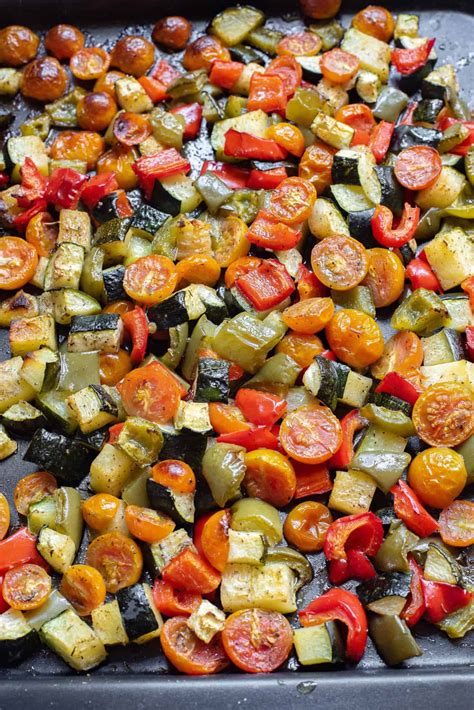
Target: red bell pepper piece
(398,386)
(382,225)
(380,138)
(463,147)
(260,408)
(33,184)
(3,604)
(174,602)
(267,285)
(225,74)
(408,61)
(64,187)
(97,187)
(234,177)
(19,549)
(356,566)
(192,114)
(360,137)
(164,73)
(311,479)
(407,118)
(21,220)
(267,93)
(159,165)
(191,572)
(470,341)
(415,606)
(136,323)
(468,287)
(268,233)
(245,145)
(344,606)
(266,179)
(114,432)
(350,423)
(308,284)
(442,599)
(259,437)
(363,531)
(421,275)
(409,509)
(329,355)
(4,179)
(154,88)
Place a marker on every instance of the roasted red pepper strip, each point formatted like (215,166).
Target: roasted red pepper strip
(363,531)
(260,408)
(380,138)
(415,606)
(345,607)
(97,187)
(468,287)
(470,341)
(311,479)
(65,187)
(409,509)
(21,220)
(225,74)
(356,566)
(245,145)
(174,602)
(442,599)
(114,432)
(19,549)
(398,386)
(192,114)
(155,89)
(267,93)
(190,572)
(259,437)
(159,165)
(267,285)
(421,275)
(350,423)
(463,147)
(136,323)
(408,61)
(33,184)
(382,225)
(234,177)
(266,179)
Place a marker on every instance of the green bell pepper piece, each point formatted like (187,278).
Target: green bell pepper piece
(223,467)
(330,33)
(38,126)
(63,112)
(141,439)
(304,106)
(235,106)
(358,298)
(244,203)
(168,128)
(135,492)
(392,553)
(388,419)
(393,639)
(213,191)
(190,83)
(279,369)
(422,312)
(69,519)
(390,103)
(384,467)
(178,340)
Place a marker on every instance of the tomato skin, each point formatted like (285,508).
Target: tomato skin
(316,165)
(269,476)
(302,347)
(148,525)
(89,63)
(4,516)
(418,167)
(63,41)
(133,55)
(402,353)
(95,111)
(292,201)
(339,66)
(113,367)
(32,488)
(437,475)
(172,32)
(26,587)
(78,145)
(268,232)
(260,407)
(189,654)
(385,276)
(84,587)
(174,474)
(18,45)
(42,233)
(288,69)
(174,602)
(119,161)
(226,418)
(151,392)
(117,558)
(203,51)
(302,44)
(150,279)
(456,523)
(306,526)
(214,539)
(310,315)
(44,79)
(99,510)
(443,415)
(256,640)
(339,262)
(320,9)
(191,572)
(375,21)
(355,338)
(311,434)
(18,262)
(288,136)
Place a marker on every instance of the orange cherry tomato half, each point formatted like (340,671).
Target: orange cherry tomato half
(257,640)
(203,51)
(33,488)
(150,279)
(355,338)
(316,165)
(4,516)
(437,475)
(385,276)
(306,526)
(226,418)
(339,66)
(118,559)
(84,587)
(456,524)
(119,307)
(151,392)
(402,353)
(188,653)
(310,315)
(311,434)
(99,510)
(113,367)
(302,44)
(292,201)
(148,525)
(375,21)
(339,262)
(358,116)
(90,63)
(26,587)
(418,167)
(198,269)
(270,476)
(131,128)
(174,474)
(288,136)
(302,347)
(215,539)
(18,262)
(443,414)
(42,233)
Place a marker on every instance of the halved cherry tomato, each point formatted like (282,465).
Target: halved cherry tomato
(188,653)
(310,315)
(18,262)
(4,516)
(106,82)
(418,167)
(131,128)
(117,558)
(339,66)
(269,476)
(239,268)
(119,161)
(231,242)
(174,602)
(339,262)
(99,510)
(121,307)
(316,165)
(198,269)
(289,70)
(360,118)
(306,526)
(311,434)
(302,347)
(226,418)
(402,353)
(114,367)
(78,145)
(437,475)
(292,201)
(84,587)
(151,392)
(257,640)
(311,479)
(33,488)
(268,232)
(375,21)
(150,279)
(385,276)
(26,587)
(215,539)
(90,63)
(260,407)
(302,44)
(355,338)
(288,136)
(148,525)
(174,474)
(42,233)
(456,524)
(443,414)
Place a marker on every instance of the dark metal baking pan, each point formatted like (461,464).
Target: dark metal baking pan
(139,676)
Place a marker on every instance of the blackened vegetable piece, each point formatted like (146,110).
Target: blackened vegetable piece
(113,283)
(185,446)
(428,110)
(384,585)
(179,506)
(392,192)
(244,54)
(393,639)
(382,399)
(360,227)
(147,220)
(17,639)
(212,380)
(138,611)
(407,136)
(107,208)
(68,459)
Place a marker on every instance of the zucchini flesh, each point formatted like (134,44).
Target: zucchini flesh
(235,23)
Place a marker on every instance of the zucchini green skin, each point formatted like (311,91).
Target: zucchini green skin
(106,208)
(95,440)
(311,69)
(113,283)
(360,227)
(164,500)
(23,424)
(212,380)
(185,446)
(162,200)
(408,136)
(433,90)
(382,399)
(170,312)
(92,324)
(384,585)
(68,459)
(345,168)
(114,230)
(148,219)
(392,192)
(16,650)
(412,82)
(137,614)
(428,110)
(245,55)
